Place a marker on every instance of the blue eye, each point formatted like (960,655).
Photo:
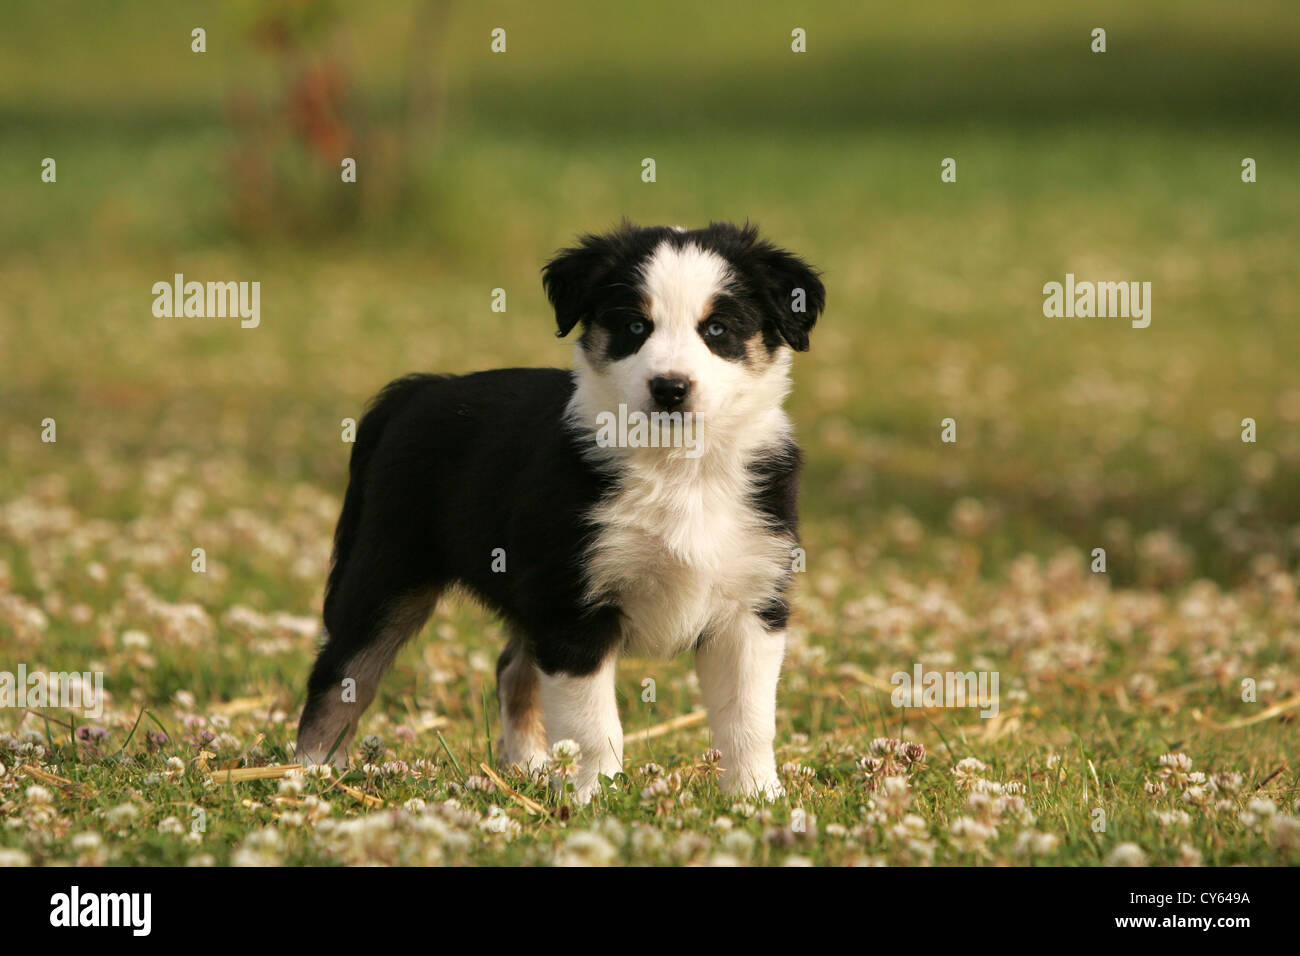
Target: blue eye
(636,327)
(715,329)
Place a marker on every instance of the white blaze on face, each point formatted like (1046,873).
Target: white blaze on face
(732,401)
(678,286)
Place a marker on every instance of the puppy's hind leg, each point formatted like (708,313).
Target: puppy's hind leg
(523,736)
(360,645)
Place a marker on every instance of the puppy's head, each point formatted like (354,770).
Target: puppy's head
(698,321)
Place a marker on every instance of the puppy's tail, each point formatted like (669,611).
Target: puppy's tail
(385,405)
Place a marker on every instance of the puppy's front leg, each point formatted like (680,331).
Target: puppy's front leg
(585,710)
(738,667)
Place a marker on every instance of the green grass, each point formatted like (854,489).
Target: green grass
(1073,434)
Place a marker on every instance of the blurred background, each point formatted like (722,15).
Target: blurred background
(181,434)
(472,167)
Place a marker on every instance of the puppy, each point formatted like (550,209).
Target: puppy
(644,501)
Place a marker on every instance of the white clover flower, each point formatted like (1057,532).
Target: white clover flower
(911,827)
(1175,768)
(122,815)
(1261,806)
(739,843)
(1036,843)
(565,755)
(264,840)
(612,830)
(1127,854)
(647,841)
(1188,855)
(586,848)
(1286,832)
(498,821)
(895,796)
(317,810)
(797,771)
(86,842)
(969,772)
(1174,818)
(688,846)
(1178,762)
(970,834)
(1226,782)
(1015,808)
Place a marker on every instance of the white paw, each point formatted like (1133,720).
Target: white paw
(764,786)
(529,763)
(584,794)
(585,788)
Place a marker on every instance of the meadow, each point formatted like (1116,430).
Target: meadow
(1147,711)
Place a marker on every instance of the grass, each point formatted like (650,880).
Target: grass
(1072,435)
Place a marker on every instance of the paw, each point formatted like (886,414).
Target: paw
(584,794)
(527,762)
(758,787)
(769,790)
(585,788)
(313,756)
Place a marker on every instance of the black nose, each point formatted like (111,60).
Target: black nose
(669,391)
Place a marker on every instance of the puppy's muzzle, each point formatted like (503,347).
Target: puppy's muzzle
(669,391)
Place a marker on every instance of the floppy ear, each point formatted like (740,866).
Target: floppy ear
(573,275)
(794,292)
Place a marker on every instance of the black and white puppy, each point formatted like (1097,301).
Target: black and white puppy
(673,531)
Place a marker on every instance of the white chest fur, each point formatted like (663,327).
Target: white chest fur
(682,549)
